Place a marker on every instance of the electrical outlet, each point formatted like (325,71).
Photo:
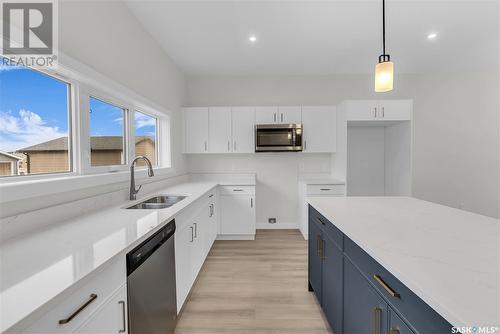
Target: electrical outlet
(272,220)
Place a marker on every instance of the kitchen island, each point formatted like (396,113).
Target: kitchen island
(445,257)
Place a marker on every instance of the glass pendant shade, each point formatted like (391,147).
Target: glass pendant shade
(384,77)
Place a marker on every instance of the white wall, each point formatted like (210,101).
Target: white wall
(105,36)
(277,178)
(456,121)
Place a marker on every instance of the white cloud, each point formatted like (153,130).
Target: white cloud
(25,129)
(142,120)
(5,67)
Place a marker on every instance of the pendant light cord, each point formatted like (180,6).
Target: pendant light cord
(383,25)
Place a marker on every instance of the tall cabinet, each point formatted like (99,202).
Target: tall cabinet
(375,147)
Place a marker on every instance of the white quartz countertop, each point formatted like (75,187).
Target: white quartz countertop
(36,267)
(448,257)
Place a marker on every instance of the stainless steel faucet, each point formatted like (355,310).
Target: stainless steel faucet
(133,191)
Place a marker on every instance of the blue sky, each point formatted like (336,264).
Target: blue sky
(33,109)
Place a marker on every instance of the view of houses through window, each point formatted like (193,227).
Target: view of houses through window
(145,137)
(34,122)
(107,133)
(35,118)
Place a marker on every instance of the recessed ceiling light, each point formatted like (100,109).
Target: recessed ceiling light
(252,38)
(432,35)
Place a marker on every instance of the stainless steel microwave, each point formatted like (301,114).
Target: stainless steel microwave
(278,138)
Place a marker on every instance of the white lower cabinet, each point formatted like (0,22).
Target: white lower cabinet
(109,318)
(196,232)
(237,212)
(184,244)
(314,189)
(80,311)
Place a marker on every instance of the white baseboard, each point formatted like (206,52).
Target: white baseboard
(304,234)
(277,226)
(236,237)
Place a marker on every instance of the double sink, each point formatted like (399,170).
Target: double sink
(158,202)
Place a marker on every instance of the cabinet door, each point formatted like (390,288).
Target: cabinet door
(266,115)
(332,288)
(219,129)
(196,130)
(198,254)
(237,214)
(397,325)
(243,129)
(111,317)
(364,310)
(315,262)
(395,110)
(362,110)
(290,115)
(320,129)
(184,243)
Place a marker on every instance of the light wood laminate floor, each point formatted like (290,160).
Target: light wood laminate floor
(254,287)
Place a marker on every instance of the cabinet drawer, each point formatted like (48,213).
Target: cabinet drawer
(325,189)
(237,190)
(103,285)
(420,315)
(327,227)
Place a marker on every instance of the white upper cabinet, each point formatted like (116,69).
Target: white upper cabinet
(395,110)
(219,129)
(361,110)
(195,130)
(266,115)
(320,129)
(243,128)
(290,115)
(379,110)
(278,115)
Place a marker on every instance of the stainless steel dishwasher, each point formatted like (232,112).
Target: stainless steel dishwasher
(152,302)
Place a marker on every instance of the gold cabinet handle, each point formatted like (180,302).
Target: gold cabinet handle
(376,319)
(320,221)
(386,287)
(318,245)
(80,309)
(394,330)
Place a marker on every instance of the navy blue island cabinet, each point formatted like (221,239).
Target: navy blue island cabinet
(358,295)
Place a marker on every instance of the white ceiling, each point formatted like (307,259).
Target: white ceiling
(322,37)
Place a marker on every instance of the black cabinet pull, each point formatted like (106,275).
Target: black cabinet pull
(320,221)
(80,309)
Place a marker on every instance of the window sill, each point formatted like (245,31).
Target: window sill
(20,189)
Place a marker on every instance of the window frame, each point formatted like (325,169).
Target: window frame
(84,80)
(72,122)
(157,162)
(85,150)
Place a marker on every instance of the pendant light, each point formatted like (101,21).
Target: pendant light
(384,70)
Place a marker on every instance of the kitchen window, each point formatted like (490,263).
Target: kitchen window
(146,137)
(67,123)
(35,122)
(107,124)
